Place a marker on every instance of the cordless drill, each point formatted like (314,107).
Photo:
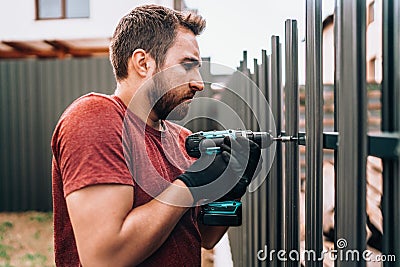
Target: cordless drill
(223,213)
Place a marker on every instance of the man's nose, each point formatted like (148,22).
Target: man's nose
(197,85)
(196,82)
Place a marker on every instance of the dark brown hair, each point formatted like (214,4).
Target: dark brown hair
(152,28)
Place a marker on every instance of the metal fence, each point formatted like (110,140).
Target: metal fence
(33,94)
(272,212)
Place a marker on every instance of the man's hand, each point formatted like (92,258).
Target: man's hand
(203,171)
(246,162)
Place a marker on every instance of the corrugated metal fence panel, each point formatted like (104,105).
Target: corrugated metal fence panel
(33,94)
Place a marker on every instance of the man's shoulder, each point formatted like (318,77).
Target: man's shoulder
(93,101)
(93,106)
(90,112)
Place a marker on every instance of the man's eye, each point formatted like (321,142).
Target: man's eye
(190,65)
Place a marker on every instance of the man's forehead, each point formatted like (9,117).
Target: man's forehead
(186,42)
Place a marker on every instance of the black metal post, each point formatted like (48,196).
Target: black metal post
(314,129)
(252,208)
(263,197)
(350,192)
(391,123)
(247,88)
(247,229)
(337,48)
(275,179)
(255,204)
(292,187)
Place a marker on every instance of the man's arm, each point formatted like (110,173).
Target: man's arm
(109,232)
(210,235)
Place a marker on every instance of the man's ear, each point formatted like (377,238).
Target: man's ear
(141,62)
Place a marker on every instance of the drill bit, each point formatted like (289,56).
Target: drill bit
(285,138)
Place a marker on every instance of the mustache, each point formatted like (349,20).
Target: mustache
(189,96)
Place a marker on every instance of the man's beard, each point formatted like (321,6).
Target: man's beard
(165,102)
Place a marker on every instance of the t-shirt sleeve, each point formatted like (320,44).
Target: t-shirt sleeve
(88,145)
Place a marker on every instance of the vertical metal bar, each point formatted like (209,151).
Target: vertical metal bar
(292,191)
(14,137)
(314,129)
(4,136)
(268,207)
(263,197)
(249,228)
(247,94)
(352,152)
(337,47)
(275,179)
(254,195)
(256,75)
(247,201)
(237,234)
(391,123)
(240,65)
(33,146)
(241,233)
(46,75)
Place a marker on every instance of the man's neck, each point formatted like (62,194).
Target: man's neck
(138,103)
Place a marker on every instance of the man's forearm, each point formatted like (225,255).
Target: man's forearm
(153,223)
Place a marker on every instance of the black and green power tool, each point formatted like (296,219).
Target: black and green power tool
(222,213)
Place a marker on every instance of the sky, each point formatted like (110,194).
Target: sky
(237,25)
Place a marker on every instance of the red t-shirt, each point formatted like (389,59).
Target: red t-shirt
(92,146)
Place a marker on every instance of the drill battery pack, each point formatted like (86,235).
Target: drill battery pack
(226,213)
